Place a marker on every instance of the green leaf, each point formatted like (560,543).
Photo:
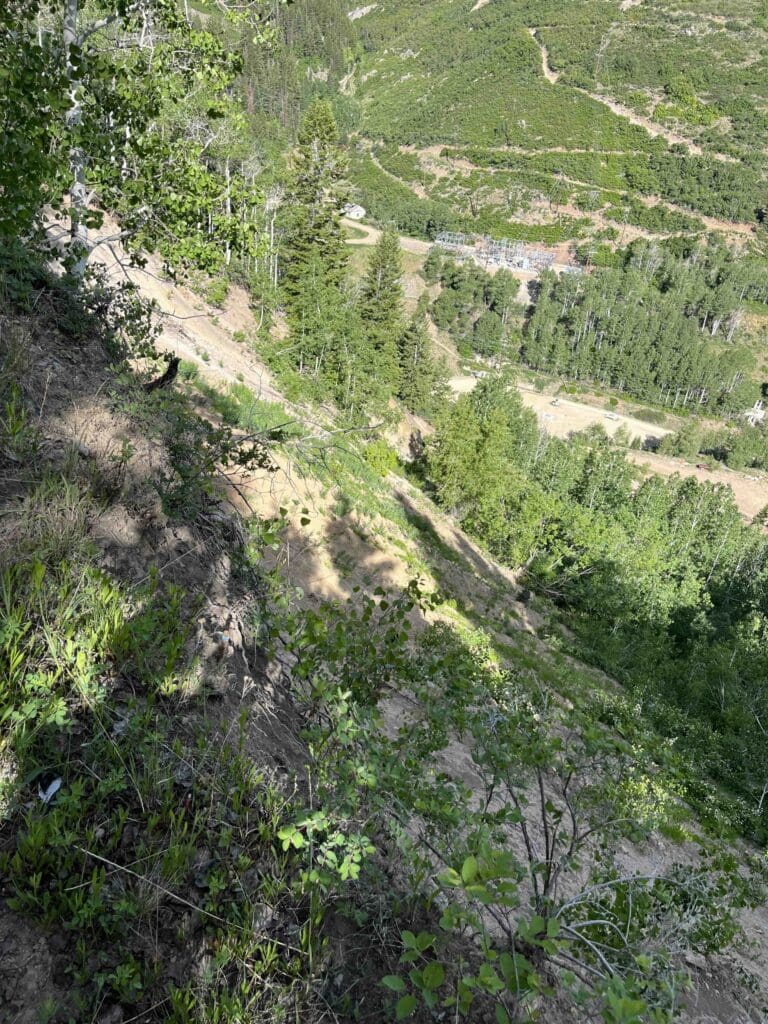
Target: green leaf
(450,877)
(553,928)
(480,892)
(405,1007)
(536,925)
(409,940)
(469,870)
(394,982)
(489,979)
(502,1017)
(434,975)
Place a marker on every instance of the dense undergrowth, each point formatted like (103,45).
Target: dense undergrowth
(225,800)
(658,580)
(184,874)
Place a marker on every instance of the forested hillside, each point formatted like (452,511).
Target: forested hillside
(588,102)
(338,681)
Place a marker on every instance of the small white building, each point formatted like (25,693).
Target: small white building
(354,212)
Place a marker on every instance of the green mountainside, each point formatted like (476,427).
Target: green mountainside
(529,87)
(383,623)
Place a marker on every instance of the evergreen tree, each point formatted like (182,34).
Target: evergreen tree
(329,343)
(381,306)
(318,194)
(422,377)
(433,266)
(452,454)
(487,334)
(316,316)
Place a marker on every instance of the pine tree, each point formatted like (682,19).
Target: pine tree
(329,343)
(422,377)
(433,265)
(381,306)
(316,316)
(317,196)
(452,453)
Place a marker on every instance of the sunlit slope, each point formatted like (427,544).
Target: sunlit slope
(648,99)
(444,72)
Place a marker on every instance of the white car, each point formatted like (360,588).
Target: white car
(611,416)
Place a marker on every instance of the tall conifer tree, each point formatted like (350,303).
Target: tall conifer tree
(422,377)
(381,305)
(318,195)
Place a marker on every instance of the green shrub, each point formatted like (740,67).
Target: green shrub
(655,416)
(216,291)
(381,457)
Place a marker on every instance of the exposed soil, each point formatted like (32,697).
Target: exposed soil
(337,551)
(86,417)
(735,228)
(750,491)
(372,236)
(548,71)
(189,330)
(738,232)
(563,417)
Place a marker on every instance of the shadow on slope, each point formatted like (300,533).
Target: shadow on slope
(145,732)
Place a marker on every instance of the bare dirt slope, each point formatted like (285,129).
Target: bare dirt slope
(109,511)
(342,548)
(204,335)
(194,330)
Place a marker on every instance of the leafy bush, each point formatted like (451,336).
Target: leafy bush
(381,457)
(655,416)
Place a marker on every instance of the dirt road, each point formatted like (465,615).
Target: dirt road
(652,127)
(203,336)
(547,70)
(567,416)
(749,490)
(372,235)
(421,248)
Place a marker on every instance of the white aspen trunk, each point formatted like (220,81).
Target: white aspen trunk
(228,209)
(733,325)
(124,164)
(74,119)
(272,253)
